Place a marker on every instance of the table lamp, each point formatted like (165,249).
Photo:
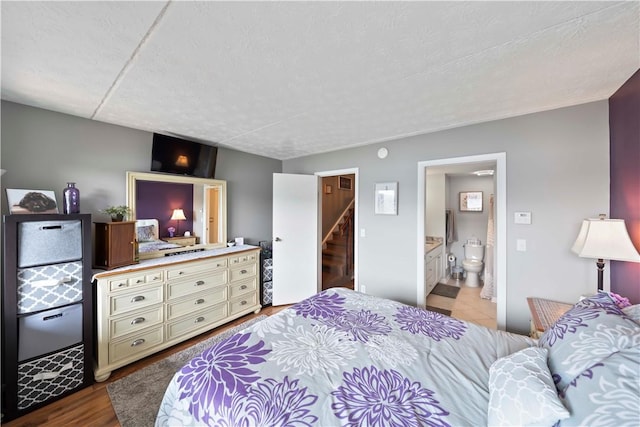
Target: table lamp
(178,215)
(602,238)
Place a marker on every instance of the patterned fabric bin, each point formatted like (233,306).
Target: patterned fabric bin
(42,379)
(267,281)
(50,286)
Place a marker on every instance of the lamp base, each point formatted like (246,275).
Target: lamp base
(600,265)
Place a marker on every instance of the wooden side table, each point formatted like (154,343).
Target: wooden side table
(181,240)
(544,314)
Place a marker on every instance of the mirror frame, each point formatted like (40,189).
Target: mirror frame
(134,177)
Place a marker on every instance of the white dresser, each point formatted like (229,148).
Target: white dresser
(147,307)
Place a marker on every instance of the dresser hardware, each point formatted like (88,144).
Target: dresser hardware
(180,272)
(243,271)
(243,287)
(199,319)
(200,283)
(137,320)
(122,285)
(243,303)
(137,298)
(137,342)
(139,281)
(199,301)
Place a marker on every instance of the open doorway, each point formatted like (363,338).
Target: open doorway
(338,206)
(428,211)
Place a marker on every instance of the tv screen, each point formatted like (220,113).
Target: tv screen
(182,157)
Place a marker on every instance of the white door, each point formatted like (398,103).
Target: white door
(296,238)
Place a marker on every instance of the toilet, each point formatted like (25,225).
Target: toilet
(472,264)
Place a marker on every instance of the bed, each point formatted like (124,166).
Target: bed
(148,237)
(342,358)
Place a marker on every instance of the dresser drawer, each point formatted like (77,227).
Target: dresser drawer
(243,272)
(144,297)
(242,303)
(141,319)
(203,282)
(196,302)
(199,320)
(241,288)
(127,282)
(135,344)
(195,268)
(243,259)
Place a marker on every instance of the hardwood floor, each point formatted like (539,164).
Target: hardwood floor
(92,406)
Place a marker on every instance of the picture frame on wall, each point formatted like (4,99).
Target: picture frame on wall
(23,201)
(386,198)
(470,201)
(345,183)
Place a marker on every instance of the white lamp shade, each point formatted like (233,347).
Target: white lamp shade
(605,239)
(178,214)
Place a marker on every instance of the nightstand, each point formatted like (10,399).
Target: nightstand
(544,314)
(181,240)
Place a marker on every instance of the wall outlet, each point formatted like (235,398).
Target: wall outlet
(363,289)
(363,232)
(521,245)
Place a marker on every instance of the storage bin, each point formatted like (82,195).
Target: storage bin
(42,379)
(49,242)
(49,331)
(49,286)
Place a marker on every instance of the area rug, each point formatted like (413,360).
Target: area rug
(136,398)
(446,290)
(439,310)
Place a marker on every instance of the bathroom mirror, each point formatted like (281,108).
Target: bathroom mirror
(155,196)
(471,201)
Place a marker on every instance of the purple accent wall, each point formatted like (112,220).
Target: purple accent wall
(624,128)
(159,199)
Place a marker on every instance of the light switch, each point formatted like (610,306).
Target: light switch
(521,245)
(522,217)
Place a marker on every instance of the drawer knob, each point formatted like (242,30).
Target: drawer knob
(139,281)
(137,298)
(200,283)
(137,342)
(199,301)
(122,285)
(180,273)
(243,303)
(243,287)
(199,319)
(243,271)
(137,320)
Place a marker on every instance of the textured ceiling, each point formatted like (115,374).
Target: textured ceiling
(288,79)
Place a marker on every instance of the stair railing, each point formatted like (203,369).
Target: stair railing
(336,225)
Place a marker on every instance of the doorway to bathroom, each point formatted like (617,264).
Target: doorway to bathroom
(440,184)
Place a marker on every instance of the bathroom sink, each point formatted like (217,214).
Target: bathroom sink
(429,246)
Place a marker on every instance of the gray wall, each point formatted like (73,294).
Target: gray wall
(557,169)
(469,225)
(43,150)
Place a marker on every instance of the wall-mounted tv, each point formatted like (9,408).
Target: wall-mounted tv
(181,157)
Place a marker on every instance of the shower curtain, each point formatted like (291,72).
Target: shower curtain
(488,289)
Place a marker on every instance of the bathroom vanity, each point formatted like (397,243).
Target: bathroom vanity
(432,264)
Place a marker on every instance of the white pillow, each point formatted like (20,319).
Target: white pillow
(633,311)
(521,391)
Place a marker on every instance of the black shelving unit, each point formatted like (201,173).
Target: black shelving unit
(47,310)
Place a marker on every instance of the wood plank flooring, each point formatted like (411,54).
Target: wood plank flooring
(91,406)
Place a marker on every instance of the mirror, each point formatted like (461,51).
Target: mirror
(156,196)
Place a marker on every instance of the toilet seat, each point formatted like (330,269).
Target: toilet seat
(469,264)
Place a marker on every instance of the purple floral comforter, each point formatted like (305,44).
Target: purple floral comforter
(342,358)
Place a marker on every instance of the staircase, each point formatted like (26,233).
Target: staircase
(337,252)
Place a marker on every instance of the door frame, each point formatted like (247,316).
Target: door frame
(356,234)
(501,226)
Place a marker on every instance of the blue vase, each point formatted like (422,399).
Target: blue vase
(71,198)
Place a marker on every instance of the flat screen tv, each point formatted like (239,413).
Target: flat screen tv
(182,157)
